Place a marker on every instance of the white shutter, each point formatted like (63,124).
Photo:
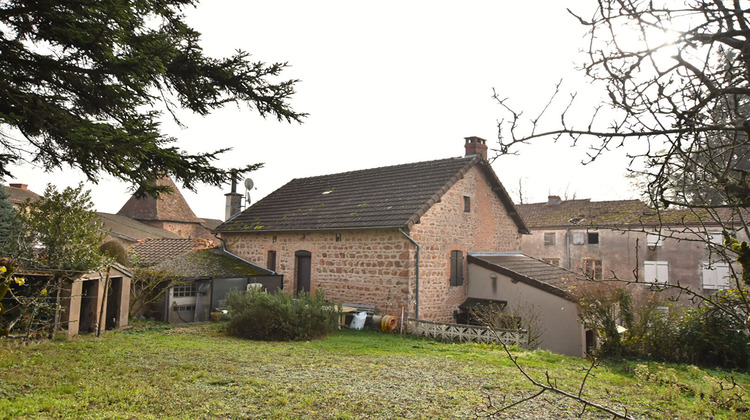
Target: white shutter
(715,276)
(656,272)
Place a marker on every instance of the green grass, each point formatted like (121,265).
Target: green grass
(155,372)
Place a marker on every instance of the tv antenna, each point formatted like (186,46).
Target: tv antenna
(248,186)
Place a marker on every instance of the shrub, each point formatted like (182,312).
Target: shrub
(258,315)
(716,337)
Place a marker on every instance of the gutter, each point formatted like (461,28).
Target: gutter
(416,306)
(224,248)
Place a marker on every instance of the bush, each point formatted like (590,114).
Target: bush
(258,315)
(716,337)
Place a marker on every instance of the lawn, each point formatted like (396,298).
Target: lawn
(154,371)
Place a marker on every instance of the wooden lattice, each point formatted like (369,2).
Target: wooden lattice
(466,333)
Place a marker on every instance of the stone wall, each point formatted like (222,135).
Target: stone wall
(369,267)
(447,227)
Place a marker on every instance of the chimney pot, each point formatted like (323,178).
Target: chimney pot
(476,146)
(20,186)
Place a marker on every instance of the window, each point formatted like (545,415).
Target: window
(592,268)
(716,276)
(467,204)
(184,290)
(549,238)
(553,261)
(716,238)
(579,238)
(593,238)
(183,308)
(457,268)
(653,239)
(656,272)
(271,261)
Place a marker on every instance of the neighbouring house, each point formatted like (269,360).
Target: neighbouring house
(541,295)
(127,232)
(19,193)
(394,237)
(628,240)
(85,306)
(196,275)
(169,212)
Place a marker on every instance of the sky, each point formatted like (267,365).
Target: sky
(386,83)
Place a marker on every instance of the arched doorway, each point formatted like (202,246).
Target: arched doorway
(304,265)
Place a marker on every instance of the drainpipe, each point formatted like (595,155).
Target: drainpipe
(416,296)
(567,247)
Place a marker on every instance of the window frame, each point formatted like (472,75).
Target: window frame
(271,259)
(184,290)
(553,237)
(552,261)
(593,268)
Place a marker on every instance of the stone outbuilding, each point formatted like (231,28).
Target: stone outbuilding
(394,237)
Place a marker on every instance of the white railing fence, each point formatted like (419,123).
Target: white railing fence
(465,333)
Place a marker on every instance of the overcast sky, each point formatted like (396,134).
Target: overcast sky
(386,83)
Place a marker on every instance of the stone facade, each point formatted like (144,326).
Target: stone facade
(378,266)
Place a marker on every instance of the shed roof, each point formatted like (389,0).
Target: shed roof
(531,271)
(387,197)
(154,251)
(208,263)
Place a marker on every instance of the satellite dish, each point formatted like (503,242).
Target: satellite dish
(248,186)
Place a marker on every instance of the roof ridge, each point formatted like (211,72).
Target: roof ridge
(468,158)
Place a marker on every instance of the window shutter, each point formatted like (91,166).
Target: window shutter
(457,268)
(656,272)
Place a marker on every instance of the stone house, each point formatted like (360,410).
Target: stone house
(394,237)
(19,193)
(170,212)
(628,240)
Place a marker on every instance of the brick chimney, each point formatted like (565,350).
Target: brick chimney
(234,201)
(554,199)
(476,146)
(20,186)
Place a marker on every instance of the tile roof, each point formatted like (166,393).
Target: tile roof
(621,213)
(387,197)
(169,207)
(20,195)
(208,263)
(132,230)
(531,271)
(154,251)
